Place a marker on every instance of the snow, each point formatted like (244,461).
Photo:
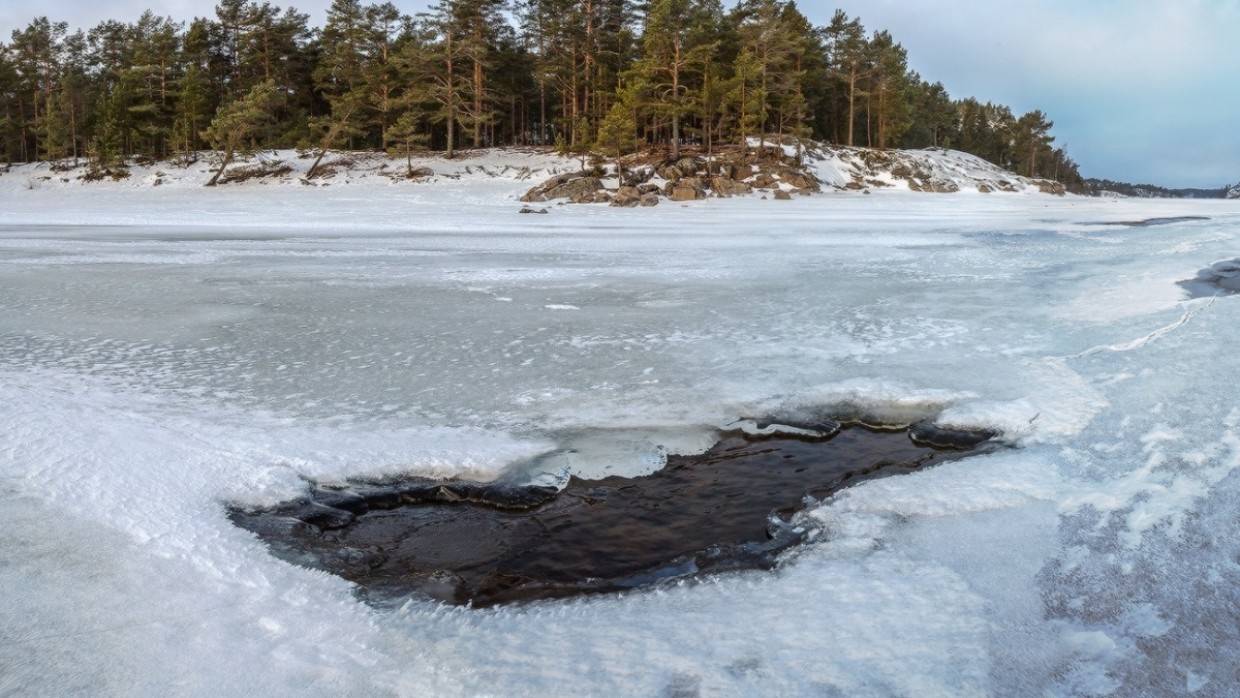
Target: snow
(165,350)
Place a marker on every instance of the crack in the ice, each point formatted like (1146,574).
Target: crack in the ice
(1148,338)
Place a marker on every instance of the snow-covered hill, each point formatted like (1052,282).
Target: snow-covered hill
(931,170)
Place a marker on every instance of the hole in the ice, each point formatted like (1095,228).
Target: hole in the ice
(491,543)
(1149,222)
(1220,278)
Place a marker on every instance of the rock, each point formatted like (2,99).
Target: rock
(638,176)
(800,180)
(742,172)
(527,209)
(764,181)
(724,186)
(695,182)
(670,172)
(567,186)
(648,189)
(650,199)
(781,195)
(575,187)
(684,192)
(689,165)
(627,197)
(1047,186)
(419,172)
(985,188)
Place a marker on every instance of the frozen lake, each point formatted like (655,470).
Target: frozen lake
(161,356)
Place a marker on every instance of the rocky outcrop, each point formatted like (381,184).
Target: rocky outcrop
(576,187)
(1050,186)
(732,172)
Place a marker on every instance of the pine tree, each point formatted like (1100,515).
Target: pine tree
(617,131)
(54,127)
(1032,140)
(341,77)
(236,123)
(747,97)
(889,88)
(674,46)
(404,136)
(848,48)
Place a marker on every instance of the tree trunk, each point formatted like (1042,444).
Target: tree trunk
(676,102)
(852,104)
(478,78)
(228,156)
(328,139)
(451,100)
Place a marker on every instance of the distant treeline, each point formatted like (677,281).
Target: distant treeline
(604,74)
(1102,187)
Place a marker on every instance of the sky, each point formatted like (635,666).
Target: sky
(1139,90)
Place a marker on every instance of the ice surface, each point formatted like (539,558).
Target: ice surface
(165,350)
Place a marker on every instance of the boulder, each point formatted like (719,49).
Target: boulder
(575,188)
(764,181)
(648,189)
(566,186)
(724,186)
(689,165)
(1048,186)
(650,199)
(638,176)
(941,186)
(685,192)
(799,179)
(742,172)
(626,197)
(670,172)
(781,195)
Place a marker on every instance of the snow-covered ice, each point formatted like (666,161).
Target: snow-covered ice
(164,350)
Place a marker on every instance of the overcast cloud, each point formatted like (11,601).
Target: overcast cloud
(1140,90)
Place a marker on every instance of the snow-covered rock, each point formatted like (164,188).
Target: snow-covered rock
(1233,192)
(932,170)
